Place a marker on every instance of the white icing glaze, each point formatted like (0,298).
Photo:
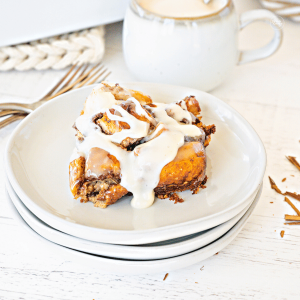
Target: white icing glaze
(183,104)
(137,129)
(178,113)
(75,154)
(141,168)
(98,101)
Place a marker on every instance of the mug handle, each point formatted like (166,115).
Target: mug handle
(264,15)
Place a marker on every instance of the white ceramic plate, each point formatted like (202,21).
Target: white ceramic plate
(119,266)
(37,158)
(159,250)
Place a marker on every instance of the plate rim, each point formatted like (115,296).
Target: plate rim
(177,247)
(37,210)
(151,266)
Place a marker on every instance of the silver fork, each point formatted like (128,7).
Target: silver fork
(67,83)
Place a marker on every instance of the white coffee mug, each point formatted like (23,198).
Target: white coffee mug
(197,52)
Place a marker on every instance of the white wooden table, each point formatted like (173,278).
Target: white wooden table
(258,264)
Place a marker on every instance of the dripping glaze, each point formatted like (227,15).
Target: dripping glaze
(140,168)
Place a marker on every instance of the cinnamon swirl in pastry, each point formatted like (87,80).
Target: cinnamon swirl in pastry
(125,143)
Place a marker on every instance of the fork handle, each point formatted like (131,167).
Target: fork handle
(12,119)
(6,112)
(16,106)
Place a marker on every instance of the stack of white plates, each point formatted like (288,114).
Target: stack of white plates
(122,239)
(285,8)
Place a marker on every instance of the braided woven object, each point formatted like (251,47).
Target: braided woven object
(86,46)
(284,8)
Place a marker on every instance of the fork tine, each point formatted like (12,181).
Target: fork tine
(71,78)
(95,79)
(12,119)
(83,71)
(105,76)
(60,82)
(67,88)
(88,78)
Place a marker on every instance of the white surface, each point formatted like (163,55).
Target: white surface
(258,264)
(37,159)
(159,250)
(131,267)
(24,21)
(184,52)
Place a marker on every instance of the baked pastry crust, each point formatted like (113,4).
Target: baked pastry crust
(185,172)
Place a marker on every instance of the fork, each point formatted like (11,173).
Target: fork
(83,79)
(19,111)
(13,118)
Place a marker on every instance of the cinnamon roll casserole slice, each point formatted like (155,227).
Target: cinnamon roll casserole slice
(125,143)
